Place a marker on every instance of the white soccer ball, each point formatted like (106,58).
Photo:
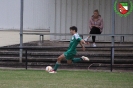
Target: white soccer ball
(49,68)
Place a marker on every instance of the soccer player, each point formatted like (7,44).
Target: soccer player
(71,52)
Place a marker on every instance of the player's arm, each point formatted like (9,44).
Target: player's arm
(81,43)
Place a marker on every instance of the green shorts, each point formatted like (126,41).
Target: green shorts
(69,55)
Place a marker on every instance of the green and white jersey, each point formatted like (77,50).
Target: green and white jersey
(75,40)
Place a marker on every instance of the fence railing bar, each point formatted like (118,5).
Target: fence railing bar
(50,47)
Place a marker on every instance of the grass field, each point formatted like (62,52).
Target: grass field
(64,79)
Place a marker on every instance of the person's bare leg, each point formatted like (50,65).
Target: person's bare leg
(60,58)
(69,61)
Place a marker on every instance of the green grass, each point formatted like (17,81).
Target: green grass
(64,79)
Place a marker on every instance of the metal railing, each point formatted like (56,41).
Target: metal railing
(82,35)
(49,47)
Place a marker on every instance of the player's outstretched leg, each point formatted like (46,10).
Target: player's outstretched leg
(83,58)
(60,58)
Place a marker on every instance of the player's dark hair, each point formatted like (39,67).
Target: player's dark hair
(74,28)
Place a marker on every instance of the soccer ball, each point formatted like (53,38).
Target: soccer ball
(49,68)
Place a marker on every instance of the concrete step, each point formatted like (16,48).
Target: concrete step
(95,57)
(99,57)
(94,66)
(78,49)
(53,60)
(53,53)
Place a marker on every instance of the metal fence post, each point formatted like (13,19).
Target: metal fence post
(21,31)
(42,38)
(113,29)
(26,58)
(111,60)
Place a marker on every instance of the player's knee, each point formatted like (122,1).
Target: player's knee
(69,62)
(59,59)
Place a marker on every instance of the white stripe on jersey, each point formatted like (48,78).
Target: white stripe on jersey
(76,36)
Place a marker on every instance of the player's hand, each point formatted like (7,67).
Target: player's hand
(88,43)
(83,48)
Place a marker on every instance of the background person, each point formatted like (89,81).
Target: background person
(95,25)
